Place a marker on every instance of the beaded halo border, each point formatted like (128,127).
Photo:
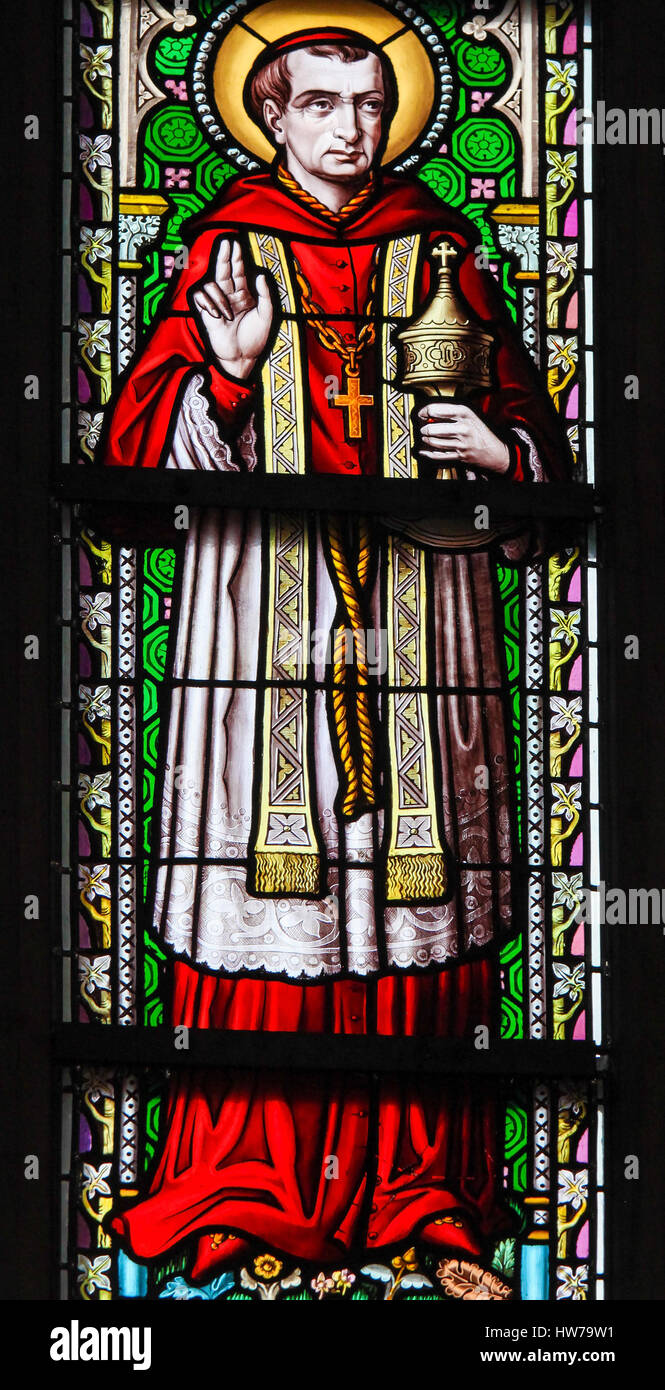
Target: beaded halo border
(216,132)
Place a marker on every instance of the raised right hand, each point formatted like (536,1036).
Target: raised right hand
(237,322)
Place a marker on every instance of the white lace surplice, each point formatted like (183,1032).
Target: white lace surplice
(203,909)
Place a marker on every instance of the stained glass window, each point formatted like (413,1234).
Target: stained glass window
(330,995)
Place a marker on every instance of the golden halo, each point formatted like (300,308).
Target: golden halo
(236,40)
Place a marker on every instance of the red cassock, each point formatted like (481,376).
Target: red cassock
(319,1166)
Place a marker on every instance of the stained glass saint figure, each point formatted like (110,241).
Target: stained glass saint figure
(337,815)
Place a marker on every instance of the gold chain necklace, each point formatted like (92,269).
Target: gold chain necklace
(352,400)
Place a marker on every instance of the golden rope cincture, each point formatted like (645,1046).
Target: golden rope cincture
(358,789)
(363,708)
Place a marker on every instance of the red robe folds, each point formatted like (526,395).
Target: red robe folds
(251,1154)
(337,261)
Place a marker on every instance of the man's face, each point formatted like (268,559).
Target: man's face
(333,121)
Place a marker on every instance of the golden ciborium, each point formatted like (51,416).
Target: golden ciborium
(446,353)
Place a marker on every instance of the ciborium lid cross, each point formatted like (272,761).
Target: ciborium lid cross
(444,252)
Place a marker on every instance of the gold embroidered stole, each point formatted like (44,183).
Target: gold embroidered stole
(416,863)
(286,855)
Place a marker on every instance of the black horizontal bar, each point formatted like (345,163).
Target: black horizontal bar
(79,1043)
(327,492)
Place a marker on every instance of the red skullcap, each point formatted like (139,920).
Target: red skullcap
(315,36)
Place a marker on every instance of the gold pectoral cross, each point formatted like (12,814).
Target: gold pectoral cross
(353,401)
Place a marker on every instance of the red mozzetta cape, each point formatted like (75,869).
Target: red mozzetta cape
(337,261)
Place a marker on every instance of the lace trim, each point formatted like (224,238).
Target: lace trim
(197,442)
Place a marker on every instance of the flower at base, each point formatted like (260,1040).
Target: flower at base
(407,1261)
(342,1279)
(267,1267)
(322,1284)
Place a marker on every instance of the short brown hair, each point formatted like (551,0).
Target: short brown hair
(272,82)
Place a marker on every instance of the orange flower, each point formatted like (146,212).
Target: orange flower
(267,1267)
(406,1262)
